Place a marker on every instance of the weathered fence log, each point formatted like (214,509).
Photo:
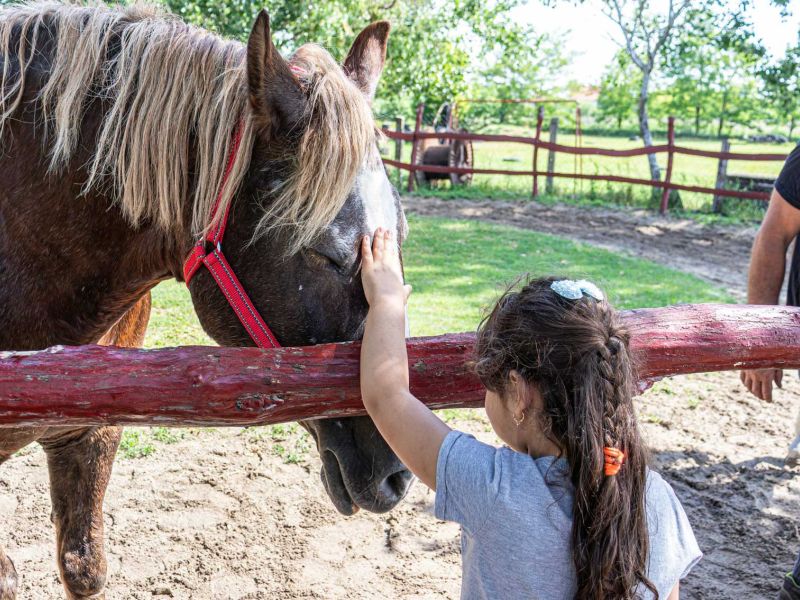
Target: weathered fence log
(212,386)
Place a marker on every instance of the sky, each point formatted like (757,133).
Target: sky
(590,34)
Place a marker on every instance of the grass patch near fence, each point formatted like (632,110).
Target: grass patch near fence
(457,269)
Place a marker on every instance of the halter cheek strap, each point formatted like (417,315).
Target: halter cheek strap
(208,252)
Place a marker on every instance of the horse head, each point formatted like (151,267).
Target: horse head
(314,185)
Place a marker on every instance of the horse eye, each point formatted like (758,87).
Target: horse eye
(320,260)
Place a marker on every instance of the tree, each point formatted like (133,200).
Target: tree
(530,71)
(648,36)
(644,35)
(711,84)
(434,46)
(618,90)
(710,69)
(782,88)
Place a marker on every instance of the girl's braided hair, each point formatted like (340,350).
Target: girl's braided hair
(576,353)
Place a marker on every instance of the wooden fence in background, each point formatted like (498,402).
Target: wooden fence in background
(536,142)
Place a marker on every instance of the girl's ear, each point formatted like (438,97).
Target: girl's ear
(521,398)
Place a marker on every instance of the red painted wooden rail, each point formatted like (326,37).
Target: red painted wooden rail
(210,386)
(666,185)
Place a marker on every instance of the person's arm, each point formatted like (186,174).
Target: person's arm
(780,226)
(408,426)
(765,278)
(675,594)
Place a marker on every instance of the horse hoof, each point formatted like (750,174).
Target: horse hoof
(792,459)
(8,578)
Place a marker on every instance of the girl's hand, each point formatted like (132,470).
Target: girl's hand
(381,272)
(407,425)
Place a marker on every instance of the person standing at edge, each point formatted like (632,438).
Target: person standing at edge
(780,226)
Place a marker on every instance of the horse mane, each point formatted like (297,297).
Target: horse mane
(164,85)
(339,141)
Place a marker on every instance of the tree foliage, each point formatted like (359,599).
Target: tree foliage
(532,70)
(710,71)
(619,90)
(699,60)
(434,48)
(707,68)
(782,89)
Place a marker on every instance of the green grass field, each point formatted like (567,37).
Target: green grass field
(687,170)
(458,268)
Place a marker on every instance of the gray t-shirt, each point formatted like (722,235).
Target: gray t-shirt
(516,518)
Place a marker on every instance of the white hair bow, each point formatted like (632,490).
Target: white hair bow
(572,290)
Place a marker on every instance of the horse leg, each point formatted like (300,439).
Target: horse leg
(12,440)
(129,331)
(80,463)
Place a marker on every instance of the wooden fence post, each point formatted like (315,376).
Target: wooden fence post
(551,156)
(414,150)
(722,176)
(536,140)
(670,156)
(398,149)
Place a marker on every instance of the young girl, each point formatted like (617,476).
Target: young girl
(570,510)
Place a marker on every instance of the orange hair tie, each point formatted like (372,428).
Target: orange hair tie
(614,459)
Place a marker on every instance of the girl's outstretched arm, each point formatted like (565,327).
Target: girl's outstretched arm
(407,425)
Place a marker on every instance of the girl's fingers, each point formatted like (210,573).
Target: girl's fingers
(377,245)
(383,246)
(388,240)
(366,253)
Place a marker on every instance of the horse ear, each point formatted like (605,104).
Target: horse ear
(364,62)
(276,96)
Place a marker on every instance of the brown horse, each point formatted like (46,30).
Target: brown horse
(116,126)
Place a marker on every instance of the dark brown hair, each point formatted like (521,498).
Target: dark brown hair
(576,354)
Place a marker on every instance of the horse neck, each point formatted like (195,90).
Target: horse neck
(75,265)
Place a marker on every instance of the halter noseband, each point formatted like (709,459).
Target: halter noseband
(208,252)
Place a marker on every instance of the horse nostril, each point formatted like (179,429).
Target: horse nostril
(395,486)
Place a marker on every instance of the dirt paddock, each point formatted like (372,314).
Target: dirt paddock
(234,513)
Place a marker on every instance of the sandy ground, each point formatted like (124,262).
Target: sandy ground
(241,513)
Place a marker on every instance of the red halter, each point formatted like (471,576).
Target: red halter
(208,252)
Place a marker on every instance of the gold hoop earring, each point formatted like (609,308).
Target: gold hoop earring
(518,422)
